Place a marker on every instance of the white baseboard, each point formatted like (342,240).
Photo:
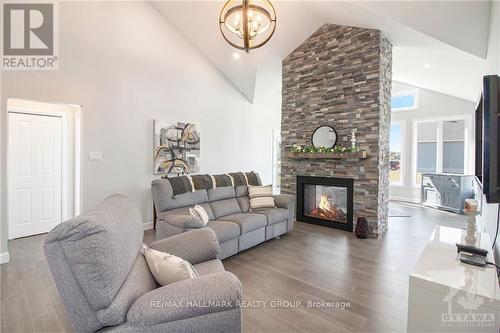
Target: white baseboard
(4,258)
(148,225)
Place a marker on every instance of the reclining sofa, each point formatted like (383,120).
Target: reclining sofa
(237,227)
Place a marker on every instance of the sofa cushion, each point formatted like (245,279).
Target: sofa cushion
(181,184)
(253,178)
(274,215)
(100,247)
(244,203)
(239,178)
(221,193)
(225,207)
(209,267)
(241,191)
(223,180)
(139,281)
(247,221)
(202,182)
(224,230)
(208,209)
(164,199)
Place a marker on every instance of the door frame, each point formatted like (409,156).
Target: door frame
(65,173)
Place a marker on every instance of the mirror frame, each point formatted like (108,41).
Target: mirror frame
(333,129)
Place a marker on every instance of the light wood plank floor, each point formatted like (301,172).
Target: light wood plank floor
(312,263)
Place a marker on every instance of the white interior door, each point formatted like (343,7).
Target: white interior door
(34,174)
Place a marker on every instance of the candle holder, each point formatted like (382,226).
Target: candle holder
(470,209)
(353,138)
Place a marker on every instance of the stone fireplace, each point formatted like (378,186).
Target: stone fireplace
(341,77)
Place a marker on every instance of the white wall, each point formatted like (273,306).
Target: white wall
(126,65)
(493,55)
(431,104)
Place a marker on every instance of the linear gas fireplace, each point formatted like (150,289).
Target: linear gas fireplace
(326,201)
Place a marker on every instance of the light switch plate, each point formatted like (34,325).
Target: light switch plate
(95,156)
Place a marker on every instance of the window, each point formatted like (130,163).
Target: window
(408,101)
(426,148)
(395,160)
(440,147)
(453,146)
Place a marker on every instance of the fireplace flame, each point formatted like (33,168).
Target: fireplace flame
(324,204)
(328,211)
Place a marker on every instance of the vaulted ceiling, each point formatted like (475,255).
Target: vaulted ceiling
(439,46)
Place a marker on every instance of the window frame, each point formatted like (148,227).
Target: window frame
(468,148)
(413,92)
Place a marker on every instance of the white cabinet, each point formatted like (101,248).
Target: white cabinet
(446,295)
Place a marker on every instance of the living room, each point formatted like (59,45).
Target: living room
(285,164)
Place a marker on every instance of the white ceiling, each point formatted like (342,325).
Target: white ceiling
(439,46)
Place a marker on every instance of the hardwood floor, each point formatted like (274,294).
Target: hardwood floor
(312,264)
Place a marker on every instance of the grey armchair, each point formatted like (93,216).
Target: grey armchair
(106,285)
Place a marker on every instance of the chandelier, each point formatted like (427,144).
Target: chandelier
(247,24)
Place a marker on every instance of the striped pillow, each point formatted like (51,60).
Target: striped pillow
(261,197)
(200,213)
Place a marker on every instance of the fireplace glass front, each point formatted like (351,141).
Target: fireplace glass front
(326,202)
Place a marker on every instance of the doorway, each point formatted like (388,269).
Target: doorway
(43,173)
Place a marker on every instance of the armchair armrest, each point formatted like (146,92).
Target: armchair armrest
(194,246)
(187,299)
(284,201)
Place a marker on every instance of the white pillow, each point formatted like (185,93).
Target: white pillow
(200,212)
(261,197)
(167,268)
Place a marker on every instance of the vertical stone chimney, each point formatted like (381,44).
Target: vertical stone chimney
(341,77)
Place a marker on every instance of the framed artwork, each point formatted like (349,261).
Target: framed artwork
(176,148)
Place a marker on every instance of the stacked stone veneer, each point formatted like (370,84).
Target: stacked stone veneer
(341,76)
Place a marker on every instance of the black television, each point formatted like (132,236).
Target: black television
(488,139)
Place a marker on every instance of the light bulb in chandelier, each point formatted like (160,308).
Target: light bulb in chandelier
(247,24)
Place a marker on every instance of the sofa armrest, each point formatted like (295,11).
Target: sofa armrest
(194,246)
(284,201)
(187,299)
(181,221)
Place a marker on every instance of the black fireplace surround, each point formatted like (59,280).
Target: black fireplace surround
(325,201)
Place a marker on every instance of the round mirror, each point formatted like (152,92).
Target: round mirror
(324,136)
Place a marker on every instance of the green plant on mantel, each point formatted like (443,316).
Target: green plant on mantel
(312,150)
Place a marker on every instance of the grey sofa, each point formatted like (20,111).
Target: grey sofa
(106,285)
(237,228)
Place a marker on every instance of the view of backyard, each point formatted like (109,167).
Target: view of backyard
(395,154)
